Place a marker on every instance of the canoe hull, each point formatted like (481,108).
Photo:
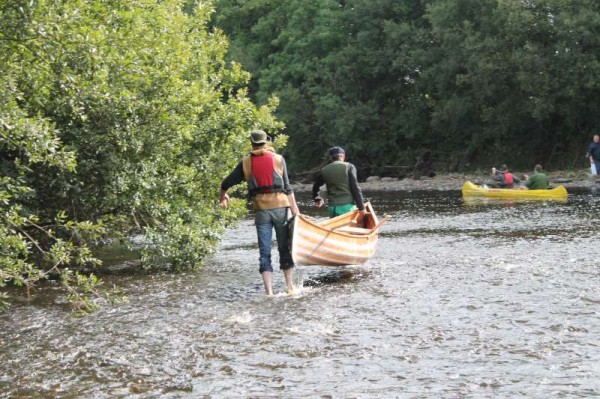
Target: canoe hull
(472,190)
(326,243)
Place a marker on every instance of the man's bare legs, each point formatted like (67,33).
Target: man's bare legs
(268,282)
(288,274)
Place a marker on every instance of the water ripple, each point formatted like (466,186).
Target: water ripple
(485,300)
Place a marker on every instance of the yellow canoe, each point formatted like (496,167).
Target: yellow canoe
(472,190)
(340,241)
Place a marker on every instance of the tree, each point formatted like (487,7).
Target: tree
(340,70)
(473,82)
(117,119)
(500,78)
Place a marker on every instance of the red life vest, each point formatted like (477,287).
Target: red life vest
(509,179)
(263,173)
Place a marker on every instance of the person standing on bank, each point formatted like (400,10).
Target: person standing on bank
(593,153)
(537,181)
(269,187)
(343,193)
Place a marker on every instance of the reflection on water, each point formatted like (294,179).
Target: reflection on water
(485,201)
(460,300)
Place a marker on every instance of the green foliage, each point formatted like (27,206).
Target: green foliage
(476,82)
(504,91)
(115,119)
(338,69)
(85,292)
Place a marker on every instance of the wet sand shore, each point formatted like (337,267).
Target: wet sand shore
(454,181)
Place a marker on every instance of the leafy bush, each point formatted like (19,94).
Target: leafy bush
(115,118)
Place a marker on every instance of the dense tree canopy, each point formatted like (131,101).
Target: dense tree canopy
(116,118)
(472,82)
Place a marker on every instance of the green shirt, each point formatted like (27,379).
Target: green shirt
(537,181)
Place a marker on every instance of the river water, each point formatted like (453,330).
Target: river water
(486,299)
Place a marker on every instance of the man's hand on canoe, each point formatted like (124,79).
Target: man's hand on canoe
(224,200)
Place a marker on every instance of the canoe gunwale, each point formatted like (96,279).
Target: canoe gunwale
(321,243)
(335,231)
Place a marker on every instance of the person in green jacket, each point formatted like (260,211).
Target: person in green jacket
(537,181)
(343,193)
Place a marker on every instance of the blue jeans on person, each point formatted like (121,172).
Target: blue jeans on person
(266,221)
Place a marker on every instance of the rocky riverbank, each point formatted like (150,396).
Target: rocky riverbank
(454,181)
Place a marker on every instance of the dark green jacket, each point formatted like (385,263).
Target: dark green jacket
(537,181)
(342,184)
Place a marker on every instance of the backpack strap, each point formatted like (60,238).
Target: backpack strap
(247,165)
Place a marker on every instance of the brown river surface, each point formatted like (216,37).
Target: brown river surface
(482,300)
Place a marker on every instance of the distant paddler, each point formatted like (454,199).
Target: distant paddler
(502,178)
(537,181)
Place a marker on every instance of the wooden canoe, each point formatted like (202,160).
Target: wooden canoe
(472,190)
(340,241)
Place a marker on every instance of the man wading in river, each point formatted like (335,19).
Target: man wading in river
(269,187)
(342,185)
